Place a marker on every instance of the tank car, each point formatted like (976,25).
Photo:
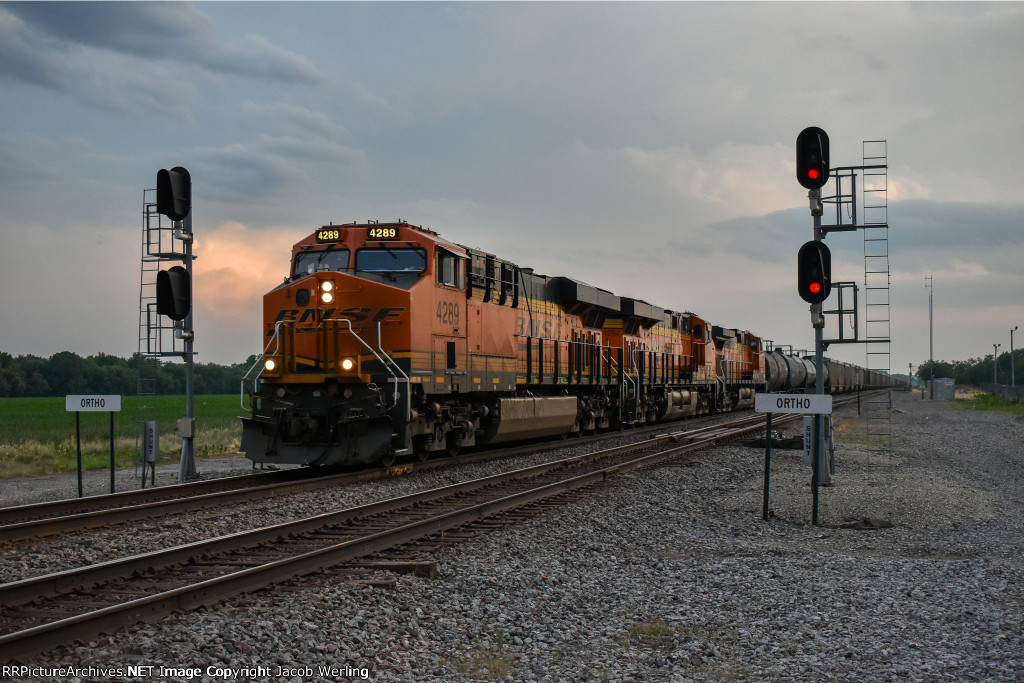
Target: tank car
(789,372)
(387,340)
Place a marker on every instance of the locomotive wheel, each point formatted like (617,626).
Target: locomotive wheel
(419,448)
(388,459)
(452,443)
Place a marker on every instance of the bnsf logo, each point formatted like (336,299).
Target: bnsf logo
(355,314)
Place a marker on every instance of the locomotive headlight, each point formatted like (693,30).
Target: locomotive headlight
(347,364)
(327,291)
(270,365)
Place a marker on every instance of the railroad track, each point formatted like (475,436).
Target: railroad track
(42,612)
(31,522)
(50,517)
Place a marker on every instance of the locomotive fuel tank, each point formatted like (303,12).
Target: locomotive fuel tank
(530,418)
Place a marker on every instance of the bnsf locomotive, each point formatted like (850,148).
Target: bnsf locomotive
(388,340)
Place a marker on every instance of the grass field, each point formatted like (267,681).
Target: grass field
(37,436)
(991,403)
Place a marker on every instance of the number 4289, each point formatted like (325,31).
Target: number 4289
(448,313)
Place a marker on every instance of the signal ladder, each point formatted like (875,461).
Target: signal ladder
(877,283)
(869,213)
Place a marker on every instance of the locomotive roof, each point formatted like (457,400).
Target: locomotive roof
(559,288)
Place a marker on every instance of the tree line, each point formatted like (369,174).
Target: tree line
(976,371)
(68,373)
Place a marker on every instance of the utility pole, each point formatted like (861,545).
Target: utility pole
(931,345)
(1013,380)
(995,359)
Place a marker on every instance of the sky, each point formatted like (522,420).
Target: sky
(646,148)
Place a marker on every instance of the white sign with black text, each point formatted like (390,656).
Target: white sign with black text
(812,404)
(92,403)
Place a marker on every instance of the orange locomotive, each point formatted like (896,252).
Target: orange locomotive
(388,340)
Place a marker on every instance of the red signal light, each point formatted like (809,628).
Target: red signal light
(814,272)
(812,158)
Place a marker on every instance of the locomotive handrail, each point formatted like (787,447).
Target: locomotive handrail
(408,382)
(631,364)
(387,364)
(259,364)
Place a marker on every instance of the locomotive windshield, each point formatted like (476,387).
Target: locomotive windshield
(308,262)
(386,260)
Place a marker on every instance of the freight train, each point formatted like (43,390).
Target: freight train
(387,340)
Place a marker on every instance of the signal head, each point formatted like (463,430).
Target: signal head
(812,168)
(814,272)
(174,293)
(174,193)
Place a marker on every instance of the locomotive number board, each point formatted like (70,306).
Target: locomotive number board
(376,233)
(334,234)
(328,235)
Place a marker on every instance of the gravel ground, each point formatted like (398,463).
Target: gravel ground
(668,575)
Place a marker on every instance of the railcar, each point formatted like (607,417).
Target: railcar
(792,372)
(387,340)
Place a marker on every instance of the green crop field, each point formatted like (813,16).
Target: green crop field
(37,436)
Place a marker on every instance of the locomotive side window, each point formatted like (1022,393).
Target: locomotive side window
(449,269)
(508,284)
(391,260)
(477,279)
(313,261)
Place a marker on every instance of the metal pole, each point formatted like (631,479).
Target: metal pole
(931,347)
(819,365)
(767,464)
(1013,379)
(995,359)
(187,465)
(78,442)
(111,451)
(815,471)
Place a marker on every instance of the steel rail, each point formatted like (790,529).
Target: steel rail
(61,517)
(29,522)
(20,513)
(218,588)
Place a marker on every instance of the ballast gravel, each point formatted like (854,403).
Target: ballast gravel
(667,574)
